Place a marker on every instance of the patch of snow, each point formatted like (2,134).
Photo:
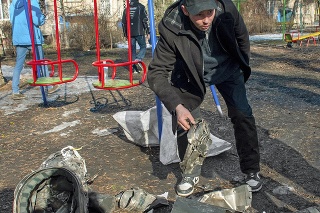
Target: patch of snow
(104,132)
(125,45)
(264,37)
(67,113)
(62,126)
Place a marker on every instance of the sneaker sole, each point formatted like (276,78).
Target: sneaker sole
(185,195)
(257,189)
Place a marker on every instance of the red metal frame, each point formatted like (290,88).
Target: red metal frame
(109,63)
(34,63)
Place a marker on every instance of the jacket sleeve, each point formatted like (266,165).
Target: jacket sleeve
(243,41)
(234,23)
(145,21)
(159,69)
(38,18)
(124,23)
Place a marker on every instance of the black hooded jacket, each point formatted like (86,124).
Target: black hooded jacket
(138,19)
(179,53)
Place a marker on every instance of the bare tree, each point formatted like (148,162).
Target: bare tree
(66,9)
(159,8)
(64,32)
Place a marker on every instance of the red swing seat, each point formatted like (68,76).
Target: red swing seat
(114,83)
(51,80)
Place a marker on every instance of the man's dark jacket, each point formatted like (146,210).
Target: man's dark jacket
(138,19)
(179,51)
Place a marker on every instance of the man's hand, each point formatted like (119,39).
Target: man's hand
(184,117)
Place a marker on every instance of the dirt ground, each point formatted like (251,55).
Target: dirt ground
(284,91)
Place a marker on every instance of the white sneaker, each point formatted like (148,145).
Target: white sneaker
(186,186)
(139,64)
(18,96)
(254,181)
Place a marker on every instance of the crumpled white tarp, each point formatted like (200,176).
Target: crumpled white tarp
(142,129)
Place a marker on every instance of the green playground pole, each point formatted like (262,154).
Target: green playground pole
(284,18)
(301,24)
(318,12)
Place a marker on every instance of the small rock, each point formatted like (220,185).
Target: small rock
(283,190)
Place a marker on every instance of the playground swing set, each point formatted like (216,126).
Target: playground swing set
(104,82)
(113,83)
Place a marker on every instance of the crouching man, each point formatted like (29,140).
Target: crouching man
(202,43)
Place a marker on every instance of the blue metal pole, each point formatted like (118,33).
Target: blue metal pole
(34,50)
(153,38)
(216,100)
(153,35)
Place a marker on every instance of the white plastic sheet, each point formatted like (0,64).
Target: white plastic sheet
(142,129)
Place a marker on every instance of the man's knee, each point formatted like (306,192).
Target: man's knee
(239,114)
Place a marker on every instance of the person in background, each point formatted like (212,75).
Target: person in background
(22,41)
(139,30)
(203,43)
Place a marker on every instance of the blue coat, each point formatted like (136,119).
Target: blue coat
(19,22)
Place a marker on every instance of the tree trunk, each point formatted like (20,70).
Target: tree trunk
(64,32)
(3,80)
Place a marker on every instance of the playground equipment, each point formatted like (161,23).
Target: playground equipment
(290,38)
(113,83)
(104,81)
(38,77)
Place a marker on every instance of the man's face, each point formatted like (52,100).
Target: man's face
(202,20)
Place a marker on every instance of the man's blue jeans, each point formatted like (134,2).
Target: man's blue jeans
(142,44)
(21,52)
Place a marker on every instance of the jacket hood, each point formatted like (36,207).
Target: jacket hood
(174,19)
(18,4)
